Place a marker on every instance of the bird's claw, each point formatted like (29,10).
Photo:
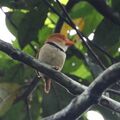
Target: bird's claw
(55,67)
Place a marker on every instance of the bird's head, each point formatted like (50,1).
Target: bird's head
(60,40)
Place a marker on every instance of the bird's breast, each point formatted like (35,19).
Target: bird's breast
(52,56)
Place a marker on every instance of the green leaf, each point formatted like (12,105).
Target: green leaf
(81,9)
(6,2)
(8,94)
(31,23)
(57,99)
(82,72)
(14,71)
(13,20)
(17,4)
(71,64)
(29,27)
(107,36)
(90,16)
(17,111)
(43,34)
(115,5)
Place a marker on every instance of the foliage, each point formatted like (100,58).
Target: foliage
(31,22)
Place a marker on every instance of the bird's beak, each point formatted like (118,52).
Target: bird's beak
(69,42)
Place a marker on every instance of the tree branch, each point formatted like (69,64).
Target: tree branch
(68,7)
(28,89)
(71,85)
(109,103)
(116,92)
(113,60)
(29,116)
(105,10)
(90,96)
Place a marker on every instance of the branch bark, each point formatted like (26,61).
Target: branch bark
(90,96)
(71,85)
(108,77)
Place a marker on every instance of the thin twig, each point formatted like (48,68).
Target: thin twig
(68,7)
(52,21)
(33,48)
(28,109)
(116,92)
(113,60)
(55,11)
(57,95)
(28,89)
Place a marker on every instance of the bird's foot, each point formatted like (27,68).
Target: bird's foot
(56,67)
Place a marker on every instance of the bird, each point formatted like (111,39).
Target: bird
(53,53)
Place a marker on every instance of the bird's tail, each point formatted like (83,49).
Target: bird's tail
(47,85)
(47,82)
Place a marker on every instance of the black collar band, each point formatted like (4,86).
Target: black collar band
(53,44)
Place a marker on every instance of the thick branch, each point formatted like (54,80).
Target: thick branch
(110,103)
(90,96)
(71,85)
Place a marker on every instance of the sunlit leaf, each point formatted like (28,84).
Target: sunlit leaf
(79,22)
(63,1)
(51,20)
(71,64)
(82,72)
(43,34)
(90,16)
